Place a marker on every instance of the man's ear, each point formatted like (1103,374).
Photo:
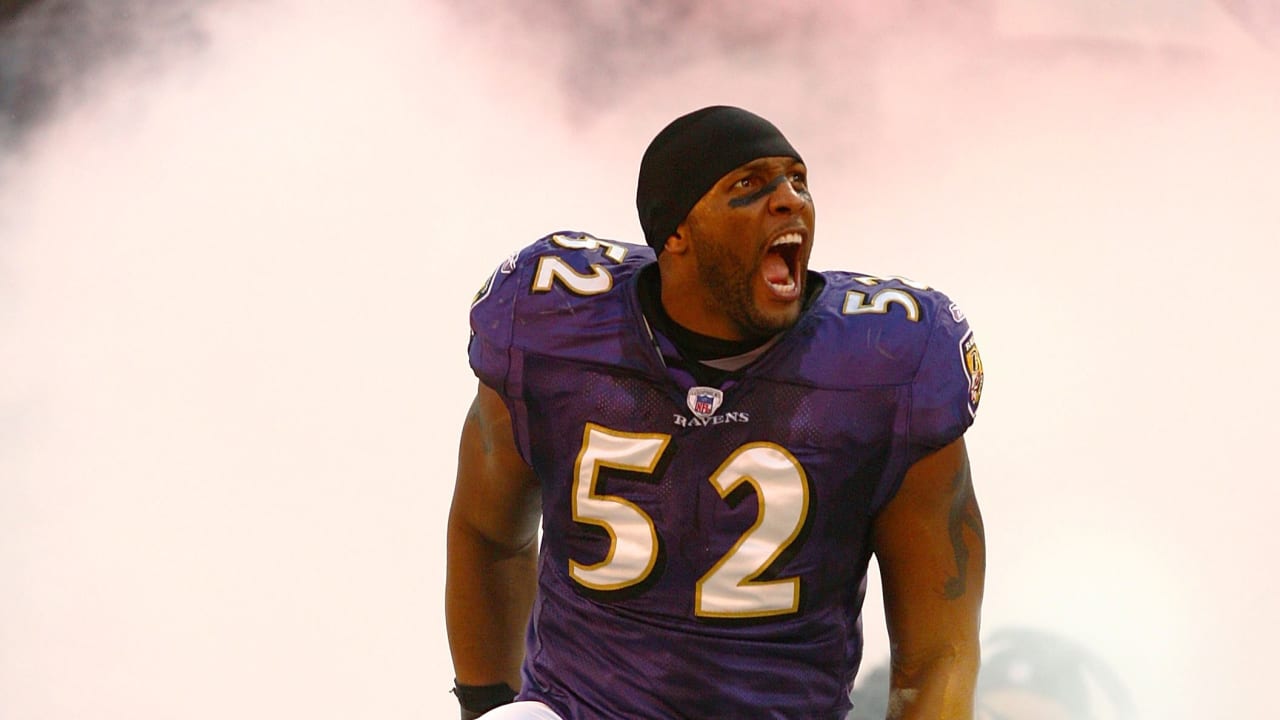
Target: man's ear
(678,241)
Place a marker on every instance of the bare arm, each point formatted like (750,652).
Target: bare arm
(492,548)
(931,550)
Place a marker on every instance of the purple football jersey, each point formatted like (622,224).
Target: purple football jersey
(705,549)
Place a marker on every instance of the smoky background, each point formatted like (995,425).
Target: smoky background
(238,242)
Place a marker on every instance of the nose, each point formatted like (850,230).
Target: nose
(787,199)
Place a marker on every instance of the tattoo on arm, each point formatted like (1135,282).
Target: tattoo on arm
(964,514)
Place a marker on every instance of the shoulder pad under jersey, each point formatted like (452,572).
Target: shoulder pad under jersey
(875,331)
(558,297)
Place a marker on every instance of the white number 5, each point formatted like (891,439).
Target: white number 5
(633,549)
(856,303)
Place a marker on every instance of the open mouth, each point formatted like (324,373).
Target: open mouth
(780,265)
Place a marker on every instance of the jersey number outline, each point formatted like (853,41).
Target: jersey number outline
(731,588)
(551,268)
(856,303)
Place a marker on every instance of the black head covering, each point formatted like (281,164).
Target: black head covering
(690,155)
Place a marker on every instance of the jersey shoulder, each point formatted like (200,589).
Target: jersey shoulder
(563,296)
(881,325)
(891,331)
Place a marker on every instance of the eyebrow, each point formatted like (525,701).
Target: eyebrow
(764,163)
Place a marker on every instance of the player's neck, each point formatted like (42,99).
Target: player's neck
(693,345)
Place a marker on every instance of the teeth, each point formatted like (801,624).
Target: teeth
(788,239)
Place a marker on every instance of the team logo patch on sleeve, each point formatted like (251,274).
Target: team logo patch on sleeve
(704,401)
(507,267)
(972,362)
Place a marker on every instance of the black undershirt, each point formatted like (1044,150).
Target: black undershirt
(694,347)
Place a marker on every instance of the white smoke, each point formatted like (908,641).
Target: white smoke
(234,279)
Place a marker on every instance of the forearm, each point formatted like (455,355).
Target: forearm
(489,592)
(940,687)
(931,549)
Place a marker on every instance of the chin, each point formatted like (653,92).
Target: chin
(776,321)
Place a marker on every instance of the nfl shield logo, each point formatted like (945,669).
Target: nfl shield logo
(704,401)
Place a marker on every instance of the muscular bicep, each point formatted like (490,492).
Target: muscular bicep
(930,547)
(496,495)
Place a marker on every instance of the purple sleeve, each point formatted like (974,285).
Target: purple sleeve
(494,358)
(943,393)
(492,320)
(947,385)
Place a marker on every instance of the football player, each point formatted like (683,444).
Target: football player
(714,441)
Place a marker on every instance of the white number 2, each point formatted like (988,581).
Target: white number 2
(731,588)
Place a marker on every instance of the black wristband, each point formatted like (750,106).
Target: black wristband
(480,699)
